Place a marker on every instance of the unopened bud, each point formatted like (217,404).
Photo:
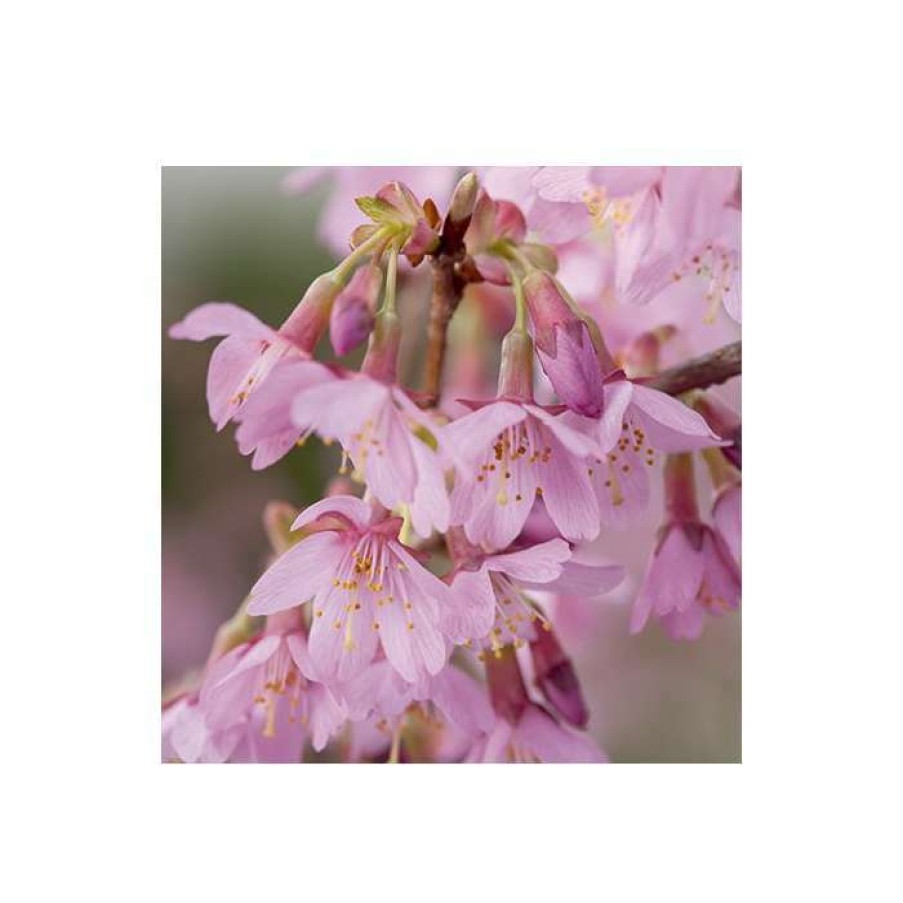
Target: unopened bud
(557,679)
(308,321)
(547,307)
(507,691)
(463,199)
(351,319)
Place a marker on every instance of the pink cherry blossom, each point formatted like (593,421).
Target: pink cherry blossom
(691,573)
(367,591)
(241,363)
(385,436)
(490,602)
(637,426)
(512,452)
(262,683)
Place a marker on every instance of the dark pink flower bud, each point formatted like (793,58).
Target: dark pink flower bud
(564,343)
(557,679)
(353,311)
(507,691)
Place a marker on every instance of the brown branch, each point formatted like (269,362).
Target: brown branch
(709,370)
(443,303)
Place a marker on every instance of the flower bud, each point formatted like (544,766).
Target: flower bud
(463,199)
(507,691)
(308,321)
(351,319)
(565,345)
(557,679)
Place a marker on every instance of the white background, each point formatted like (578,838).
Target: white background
(98,96)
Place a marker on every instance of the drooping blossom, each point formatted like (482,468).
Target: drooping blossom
(242,362)
(397,448)
(341,215)
(490,603)
(691,572)
(449,712)
(638,424)
(524,731)
(510,451)
(367,591)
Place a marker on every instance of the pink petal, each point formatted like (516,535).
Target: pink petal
(538,564)
(415,651)
(220,319)
(298,574)
(473,433)
(327,646)
(670,425)
(587,580)
(620,181)
(550,742)
(617,398)
(230,364)
(462,700)
(568,495)
(727,516)
(562,183)
(470,610)
(430,506)
(571,432)
(353,509)
(675,574)
(338,409)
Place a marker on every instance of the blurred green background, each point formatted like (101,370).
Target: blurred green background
(232,234)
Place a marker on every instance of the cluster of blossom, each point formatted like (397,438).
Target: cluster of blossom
(401,617)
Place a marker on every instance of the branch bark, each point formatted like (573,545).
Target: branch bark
(709,370)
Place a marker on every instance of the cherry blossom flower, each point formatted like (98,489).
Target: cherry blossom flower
(638,424)
(490,602)
(367,591)
(387,438)
(241,363)
(264,681)
(691,571)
